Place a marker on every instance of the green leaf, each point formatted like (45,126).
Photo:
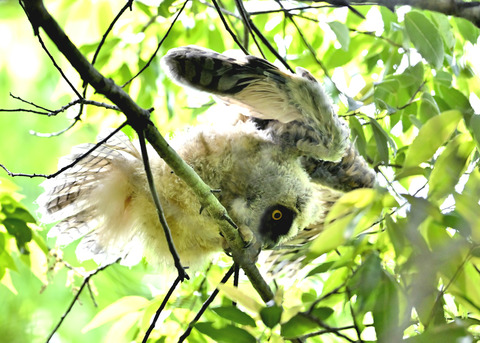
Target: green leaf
(21,214)
(453,99)
(352,213)
(425,37)
(342,33)
(475,127)
(19,229)
(447,333)
(366,280)
(271,315)
(297,326)
(380,140)
(226,334)
(2,243)
(234,314)
(386,310)
(116,310)
(428,108)
(467,29)
(444,28)
(378,130)
(358,134)
(321,268)
(449,166)
(431,136)
(322,312)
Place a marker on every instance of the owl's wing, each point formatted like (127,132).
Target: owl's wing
(300,114)
(89,200)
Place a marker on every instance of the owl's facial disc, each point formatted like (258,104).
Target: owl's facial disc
(276,222)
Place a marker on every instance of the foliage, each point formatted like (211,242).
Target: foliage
(396,263)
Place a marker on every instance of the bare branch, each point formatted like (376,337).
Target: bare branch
(182,274)
(128,5)
(86,280)
(58,172)
(160,309)
(227,27)
(247,22)
(205,305)
(159,44)
(457,8)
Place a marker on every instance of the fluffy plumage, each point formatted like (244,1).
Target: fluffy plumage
(279,167)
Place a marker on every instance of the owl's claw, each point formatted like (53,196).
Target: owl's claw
(247,236)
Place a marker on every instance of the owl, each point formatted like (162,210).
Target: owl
(279,162)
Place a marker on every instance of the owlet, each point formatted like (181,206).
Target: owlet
(280,163)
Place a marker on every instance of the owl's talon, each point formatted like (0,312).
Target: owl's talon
(247,236)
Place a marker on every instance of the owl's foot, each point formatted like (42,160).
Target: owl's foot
(247,237)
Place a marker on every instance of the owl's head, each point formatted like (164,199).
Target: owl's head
(274,199)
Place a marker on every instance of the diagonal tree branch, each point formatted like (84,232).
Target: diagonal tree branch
(457,8)
(138,118)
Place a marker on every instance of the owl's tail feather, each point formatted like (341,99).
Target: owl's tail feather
(90,199)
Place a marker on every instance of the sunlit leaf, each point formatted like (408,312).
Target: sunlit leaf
(342,33)
(475,126)
(449,166)
(226,334)
(467,30)
(119,329)
(298,326)
(425,37)
(234,314)
(240,296)
(352,214)
(271,315)
(116,310)
(431,136)
(443,334)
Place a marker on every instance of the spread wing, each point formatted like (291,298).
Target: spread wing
(299,111)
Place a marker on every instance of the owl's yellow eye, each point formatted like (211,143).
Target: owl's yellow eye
(277,215)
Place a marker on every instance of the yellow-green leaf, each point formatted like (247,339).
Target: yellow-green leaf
(449,166)
(425,37)
(431,136)
(116,310)
(240,296)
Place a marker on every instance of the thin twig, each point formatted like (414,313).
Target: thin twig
(450,282)
(282,10)
(352,313)
(58,172)
(57,66)
(158,46)
(248,24)
(57,133)
(227,27)
(205,306)
(160,309)
(327,327)
(110,28)
(182,274)
(30,103)
(323,331)
(51,113)
(307,44)
(86,280)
